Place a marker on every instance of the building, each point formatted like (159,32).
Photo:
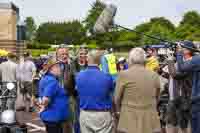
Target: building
(9,18)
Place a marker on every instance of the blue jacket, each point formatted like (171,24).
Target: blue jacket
(193,66)
(58,108)
(94,88)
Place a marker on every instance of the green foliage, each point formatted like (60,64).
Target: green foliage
(38,46)
(57,33)
(75,33)
(37,52)
(158,31)
(191,18)
(30,28)
(159,27)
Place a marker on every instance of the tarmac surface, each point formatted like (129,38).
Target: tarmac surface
(32,121)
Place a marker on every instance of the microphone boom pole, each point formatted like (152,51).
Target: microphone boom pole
(105,21)
(154,37)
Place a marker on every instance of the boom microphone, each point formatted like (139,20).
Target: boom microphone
(105,20)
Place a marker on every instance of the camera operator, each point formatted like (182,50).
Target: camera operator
(192,65)
(180,84)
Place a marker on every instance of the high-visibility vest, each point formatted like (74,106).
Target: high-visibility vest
(152,64)
(112,66)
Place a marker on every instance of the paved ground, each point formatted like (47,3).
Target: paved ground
(32,121)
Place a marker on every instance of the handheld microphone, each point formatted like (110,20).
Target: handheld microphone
(105,20)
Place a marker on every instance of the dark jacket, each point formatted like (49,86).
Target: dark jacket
(182,81)
(192,66)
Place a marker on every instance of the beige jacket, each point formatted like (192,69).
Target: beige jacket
(136,91)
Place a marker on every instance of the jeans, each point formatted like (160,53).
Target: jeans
(53,127)
(195,122)
(77,124)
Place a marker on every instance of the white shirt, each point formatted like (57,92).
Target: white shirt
(8,71)
(26,70)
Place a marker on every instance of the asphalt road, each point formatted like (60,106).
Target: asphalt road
(32,121)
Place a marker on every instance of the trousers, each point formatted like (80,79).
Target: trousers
(53,127)
(96,122)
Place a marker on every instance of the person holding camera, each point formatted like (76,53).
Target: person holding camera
(190,63)
(179,107)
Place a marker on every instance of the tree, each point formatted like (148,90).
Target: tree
(93,14)
(31,28)
(158,31)
(191,18)
(57,33)
(189,26)
(159,27)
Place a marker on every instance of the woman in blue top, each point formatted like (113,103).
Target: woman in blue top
(53,104)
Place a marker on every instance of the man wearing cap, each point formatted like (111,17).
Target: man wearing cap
(180,86)
(122,64)
(188,62)
(53,104)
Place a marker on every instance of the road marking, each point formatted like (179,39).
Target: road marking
(36,119)
(33,130)
(36,126)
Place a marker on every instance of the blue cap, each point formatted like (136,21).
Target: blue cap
(188,44)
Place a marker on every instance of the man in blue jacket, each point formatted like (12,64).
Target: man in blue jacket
(95,88)
(53,104)
(191,65)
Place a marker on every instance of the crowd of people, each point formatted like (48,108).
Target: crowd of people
(98,93)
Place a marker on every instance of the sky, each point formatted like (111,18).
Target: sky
(130,12)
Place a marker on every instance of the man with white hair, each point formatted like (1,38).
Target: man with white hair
(95,88)
(136,94)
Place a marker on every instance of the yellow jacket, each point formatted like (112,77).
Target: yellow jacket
(152,64)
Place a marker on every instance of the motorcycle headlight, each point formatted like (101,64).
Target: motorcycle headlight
(8,117)
(10,86)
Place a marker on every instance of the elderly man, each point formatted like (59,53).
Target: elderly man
(67,81)
(95,88)
(137,91)
(81,60)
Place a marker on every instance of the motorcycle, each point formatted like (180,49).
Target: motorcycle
(8,121)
